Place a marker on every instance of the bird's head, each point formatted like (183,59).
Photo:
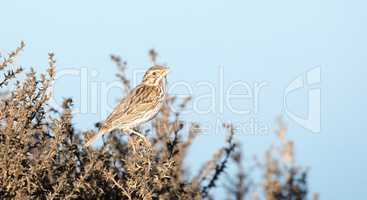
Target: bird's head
(154,75)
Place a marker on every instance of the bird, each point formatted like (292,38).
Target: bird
(139,106)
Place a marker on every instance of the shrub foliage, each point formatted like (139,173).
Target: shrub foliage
(42,155)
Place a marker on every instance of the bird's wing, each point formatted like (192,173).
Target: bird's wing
(133,106)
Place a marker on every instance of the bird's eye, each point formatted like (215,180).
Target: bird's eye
(154,73)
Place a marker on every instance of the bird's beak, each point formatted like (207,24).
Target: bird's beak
(165,72)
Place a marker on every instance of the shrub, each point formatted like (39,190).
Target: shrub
(42,155)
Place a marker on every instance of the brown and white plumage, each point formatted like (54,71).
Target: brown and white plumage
(139,106)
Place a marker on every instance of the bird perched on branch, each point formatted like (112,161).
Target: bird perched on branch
(139,106)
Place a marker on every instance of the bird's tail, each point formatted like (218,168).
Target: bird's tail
(96,136)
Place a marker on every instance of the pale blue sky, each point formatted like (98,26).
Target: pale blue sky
(254,41)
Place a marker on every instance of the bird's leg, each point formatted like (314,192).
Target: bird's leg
(130,139)
(132,144)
